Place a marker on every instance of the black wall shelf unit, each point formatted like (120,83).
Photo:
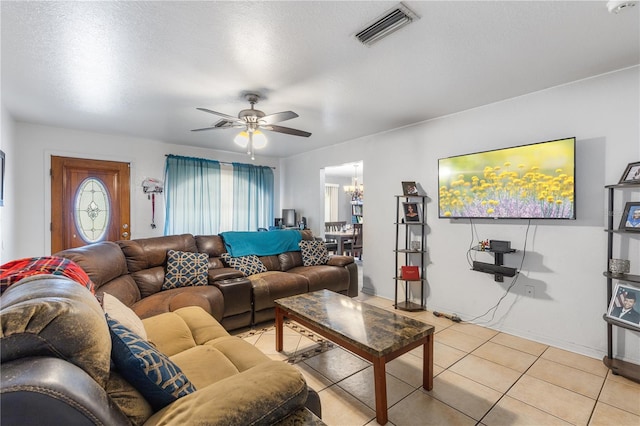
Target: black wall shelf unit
(406,233)
(617,366)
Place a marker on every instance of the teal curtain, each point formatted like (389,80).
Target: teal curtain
(192,196)
(252,197)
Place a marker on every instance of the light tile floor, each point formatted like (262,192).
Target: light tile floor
(482,377)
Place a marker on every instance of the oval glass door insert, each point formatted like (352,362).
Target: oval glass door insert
(92,210)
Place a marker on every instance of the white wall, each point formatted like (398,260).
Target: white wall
(564,259)
(35,144)
(8,211)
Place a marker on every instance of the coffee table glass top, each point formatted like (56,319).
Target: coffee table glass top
(374,330)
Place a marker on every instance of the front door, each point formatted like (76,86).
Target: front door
(89,202)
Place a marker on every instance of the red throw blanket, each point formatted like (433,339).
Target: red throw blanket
(14,271)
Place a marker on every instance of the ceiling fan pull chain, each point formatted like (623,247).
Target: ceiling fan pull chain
(251,146)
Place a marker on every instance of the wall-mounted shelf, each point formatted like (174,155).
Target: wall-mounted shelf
(498,269)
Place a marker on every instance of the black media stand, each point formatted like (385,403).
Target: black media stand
(496,268)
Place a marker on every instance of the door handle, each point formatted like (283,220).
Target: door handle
(125,234)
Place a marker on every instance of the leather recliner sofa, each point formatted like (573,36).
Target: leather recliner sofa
(57,366)
(133,271)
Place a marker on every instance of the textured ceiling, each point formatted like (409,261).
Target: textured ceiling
(141,68)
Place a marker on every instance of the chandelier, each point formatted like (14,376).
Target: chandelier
(355,190)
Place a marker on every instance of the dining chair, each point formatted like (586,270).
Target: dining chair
(331,243)
(353,247)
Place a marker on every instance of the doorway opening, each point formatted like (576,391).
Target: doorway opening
(344,213)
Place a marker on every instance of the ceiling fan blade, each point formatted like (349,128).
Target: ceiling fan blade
(223,124)
(205,128)
(287,130)
(278,117)
(227,116)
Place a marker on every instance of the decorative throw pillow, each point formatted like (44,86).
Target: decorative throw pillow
(150,371)
(123,314)
(248,265)
(314,252)
(185,268)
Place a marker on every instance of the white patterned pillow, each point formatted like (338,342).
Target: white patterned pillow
(185,268)
(248,265)
(123,314)
(314,252)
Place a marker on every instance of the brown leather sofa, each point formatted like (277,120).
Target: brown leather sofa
(133,271)
(57,366)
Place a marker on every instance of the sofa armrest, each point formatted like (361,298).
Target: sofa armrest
(263,394)
(42,386)
(339,260)
(237,295)
(217,274)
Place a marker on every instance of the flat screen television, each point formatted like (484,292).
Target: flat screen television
(289,218)
(535,181)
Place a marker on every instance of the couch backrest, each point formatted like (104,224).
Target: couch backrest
(213,245)
(146,259)
(105,264)
(50,315)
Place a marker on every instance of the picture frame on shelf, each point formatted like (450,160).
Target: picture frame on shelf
(630,220)
(409,188)
(624,305)
(631,173)
(411,212)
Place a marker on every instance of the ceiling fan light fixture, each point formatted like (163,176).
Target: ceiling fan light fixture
(615,6)
(259,139)
(241,139)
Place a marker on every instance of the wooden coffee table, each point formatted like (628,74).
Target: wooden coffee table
(372,333)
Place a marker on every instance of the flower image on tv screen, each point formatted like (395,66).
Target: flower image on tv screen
(535,181)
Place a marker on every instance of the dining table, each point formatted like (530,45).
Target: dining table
(341,237)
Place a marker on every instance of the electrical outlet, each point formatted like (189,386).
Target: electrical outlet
(530,290)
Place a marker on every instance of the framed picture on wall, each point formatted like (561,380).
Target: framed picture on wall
(631,173)
(624,304)
(411,212)
(631,217)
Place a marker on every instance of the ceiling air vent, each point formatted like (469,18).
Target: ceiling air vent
(393,20)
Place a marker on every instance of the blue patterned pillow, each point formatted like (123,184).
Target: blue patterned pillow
(313,252)
(248,265)
(185,268)
(148,370)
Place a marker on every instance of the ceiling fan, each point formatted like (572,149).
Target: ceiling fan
(252,121)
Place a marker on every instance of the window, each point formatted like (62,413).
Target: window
(206,197)
(331,202)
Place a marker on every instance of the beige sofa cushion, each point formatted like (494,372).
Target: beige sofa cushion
(263,394)
(243,355)
(204,365)
(169,333)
